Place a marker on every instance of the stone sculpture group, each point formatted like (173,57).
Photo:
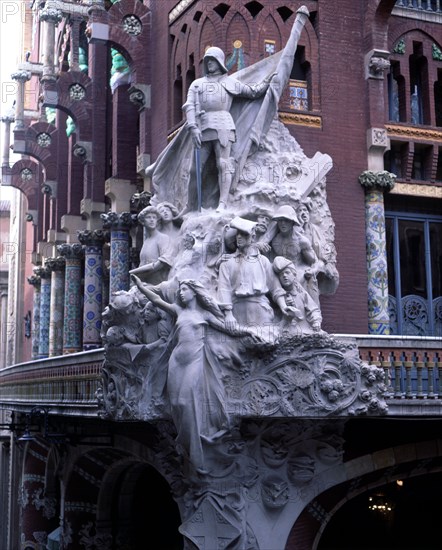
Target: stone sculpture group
(223,321)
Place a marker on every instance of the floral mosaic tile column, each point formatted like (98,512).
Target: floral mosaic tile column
(72,332)
(35,281)
(119,225)
(375,184)
(57,267)
(93,279)
(45,303)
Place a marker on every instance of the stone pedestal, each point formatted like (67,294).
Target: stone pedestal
(93,295)
(45,303)
(119,225)
(375,184)
(72,332)
(35,281)
(57,267)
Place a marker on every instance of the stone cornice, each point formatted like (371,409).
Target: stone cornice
(417,190)
(413,132)
(313,121)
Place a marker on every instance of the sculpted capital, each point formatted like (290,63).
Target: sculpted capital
(71,251)
(113,220)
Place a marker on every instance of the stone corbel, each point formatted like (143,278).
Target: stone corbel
(83,150)
(376,63)
(50,98)
(50,188)
(91,210)
(119,191)
(139,95)
(97,32)
(31,67)
(377,143)
(54,236)
(70,225)
(143,161)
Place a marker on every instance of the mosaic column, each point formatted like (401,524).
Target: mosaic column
(93,279)
(72,333)
(119,225)
(45,303)
(56,266)
(375,184)
(35,281)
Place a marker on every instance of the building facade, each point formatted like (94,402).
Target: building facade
(99,96)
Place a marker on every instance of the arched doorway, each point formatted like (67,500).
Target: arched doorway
(400,515)
(144,514)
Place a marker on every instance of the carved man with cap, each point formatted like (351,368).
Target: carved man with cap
(244,281)
(207,109)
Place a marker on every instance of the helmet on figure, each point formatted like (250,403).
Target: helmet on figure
(215,53)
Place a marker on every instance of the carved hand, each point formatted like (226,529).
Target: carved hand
(196,136)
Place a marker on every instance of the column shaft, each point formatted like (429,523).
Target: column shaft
(45,303)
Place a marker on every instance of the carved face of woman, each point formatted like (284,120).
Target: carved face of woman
(185,293)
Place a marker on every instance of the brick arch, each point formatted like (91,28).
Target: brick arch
(370,472)
(30,188)
(376,22)
(409,31)
(45,155)
(270,30)
(118,488)
(208,35)
(80,111)
(135,47)
(83,483)
(237,28)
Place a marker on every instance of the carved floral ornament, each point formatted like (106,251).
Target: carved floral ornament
(51,15)
(132,25)
(26,174)
(44,139)
(382,180)
(77,92)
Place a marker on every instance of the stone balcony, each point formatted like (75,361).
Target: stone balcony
(68,384)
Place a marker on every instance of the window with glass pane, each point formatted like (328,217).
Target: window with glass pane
(414,251)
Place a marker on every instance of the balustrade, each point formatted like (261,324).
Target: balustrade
(428,5)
